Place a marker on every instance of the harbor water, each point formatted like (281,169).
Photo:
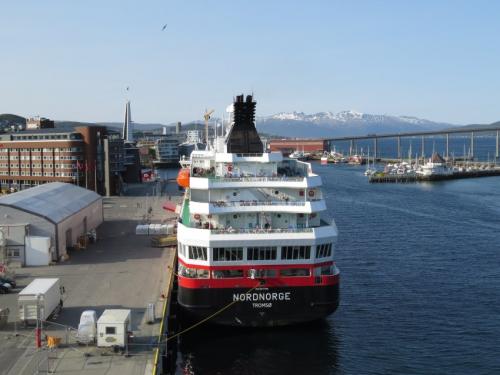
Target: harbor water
(420,288)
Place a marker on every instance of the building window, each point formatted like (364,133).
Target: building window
(224,254)
(295,252)
(197,253)
(110,330)
(324,250)
(13,252)
(261,253)
(294,272)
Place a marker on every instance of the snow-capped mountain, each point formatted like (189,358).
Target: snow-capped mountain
(344,123)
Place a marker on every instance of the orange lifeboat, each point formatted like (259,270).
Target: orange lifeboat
(183,178)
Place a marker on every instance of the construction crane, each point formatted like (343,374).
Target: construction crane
(206,116)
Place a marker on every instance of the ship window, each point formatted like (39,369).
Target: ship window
(324,250)
(227,274)
(295,252)
(193,273)
(262,273)
(110,330)
(224,254)
(261,253)
(294,272)
(197,253)
(324,270)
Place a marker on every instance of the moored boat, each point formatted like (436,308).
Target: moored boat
(254,245)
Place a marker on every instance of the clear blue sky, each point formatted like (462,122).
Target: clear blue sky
(73,60)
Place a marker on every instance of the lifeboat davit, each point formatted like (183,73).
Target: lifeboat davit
(183,178)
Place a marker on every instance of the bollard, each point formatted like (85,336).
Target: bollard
(38,337)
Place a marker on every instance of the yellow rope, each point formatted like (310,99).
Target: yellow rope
(208,317)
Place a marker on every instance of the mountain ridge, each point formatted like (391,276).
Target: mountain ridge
(343,123)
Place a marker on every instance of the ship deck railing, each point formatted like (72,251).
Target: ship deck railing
(261,203)
(259,230)
(255,178)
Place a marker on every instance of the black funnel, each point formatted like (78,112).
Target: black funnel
(243,137)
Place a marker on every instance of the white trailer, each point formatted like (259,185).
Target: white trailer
(113,327)
(39,300)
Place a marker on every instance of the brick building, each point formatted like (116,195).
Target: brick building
(75,156)
(287,146)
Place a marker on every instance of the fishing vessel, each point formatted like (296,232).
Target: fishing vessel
(255,247)
(324,158)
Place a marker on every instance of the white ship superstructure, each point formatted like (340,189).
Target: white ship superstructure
(251,216)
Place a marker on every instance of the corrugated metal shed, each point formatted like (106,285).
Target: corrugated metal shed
(55,201)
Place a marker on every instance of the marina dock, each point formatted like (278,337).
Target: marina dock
(410,178)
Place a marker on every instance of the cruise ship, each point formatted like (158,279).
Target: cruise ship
(255,248)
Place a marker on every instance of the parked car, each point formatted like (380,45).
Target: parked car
(8,280)
(87,329)
(5,288)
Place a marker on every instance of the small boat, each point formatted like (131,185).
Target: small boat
(298,155)
(356,159)
(324,158)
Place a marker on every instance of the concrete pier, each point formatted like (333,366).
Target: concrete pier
(121,270)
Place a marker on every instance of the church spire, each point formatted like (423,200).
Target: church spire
(128,131)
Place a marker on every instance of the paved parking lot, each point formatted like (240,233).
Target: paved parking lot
(121,270)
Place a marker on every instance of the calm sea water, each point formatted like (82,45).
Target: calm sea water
(420,288)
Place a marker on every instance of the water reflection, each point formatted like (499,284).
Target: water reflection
(303,349)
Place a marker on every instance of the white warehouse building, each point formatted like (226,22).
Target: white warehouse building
(56,213)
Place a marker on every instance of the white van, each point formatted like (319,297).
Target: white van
(87,329)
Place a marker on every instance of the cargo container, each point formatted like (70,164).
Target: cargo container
(39,300)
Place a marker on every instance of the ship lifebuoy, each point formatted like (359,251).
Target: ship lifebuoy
(229,167)
(197,216)
(311,193)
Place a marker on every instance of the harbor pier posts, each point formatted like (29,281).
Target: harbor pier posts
(447,145)
(399,147)
(472,145)
(423,147)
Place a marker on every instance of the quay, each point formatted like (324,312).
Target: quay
(394,178)
(121,270)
